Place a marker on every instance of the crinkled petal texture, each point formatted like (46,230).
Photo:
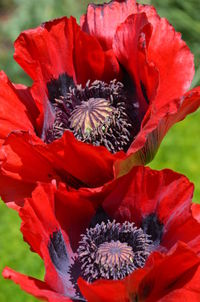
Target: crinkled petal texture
(57,49)
(75,163)
(151,198)
(58,54)
(113,24)
(61,47)
(139,37)
(114,41)
(18,109)
(157,201)
(154,128)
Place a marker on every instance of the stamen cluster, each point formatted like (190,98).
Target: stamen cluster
(112,250)
(96,114)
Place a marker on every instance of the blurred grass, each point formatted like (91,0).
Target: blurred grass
(15,253)
(180,149)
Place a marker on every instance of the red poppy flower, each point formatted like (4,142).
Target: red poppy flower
(136,240)
(105,94)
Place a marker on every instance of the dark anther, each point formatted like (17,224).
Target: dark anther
(112,250)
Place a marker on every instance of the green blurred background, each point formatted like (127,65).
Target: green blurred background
(179,151)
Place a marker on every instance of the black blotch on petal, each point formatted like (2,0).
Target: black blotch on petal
(146,289)
(59,87)
(57,252)
(153,227)
(67,271)
(99,217)
(144,92)
(132,103)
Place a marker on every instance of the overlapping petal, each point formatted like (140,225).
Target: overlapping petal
(166,48)
(102,21)
(158,281)
(60,47)
(154,128)
(75,163)
(130,45)
(162,86)
(165,45)
(159,286)
(17,110)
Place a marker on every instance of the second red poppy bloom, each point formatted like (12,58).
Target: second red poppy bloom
(117,245)
(104,96)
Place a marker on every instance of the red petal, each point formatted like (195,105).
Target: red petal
(14,190)
(171,56)
(144,191)
(40,100)
(183,227)
(74,210)
(38,208)
(87,164)
(155,126)
(196,211)
(130,45)
(14,113)
(194,228)
(185,294)
(175,271)
(59,47)
(165,49)
(91,166)
(38,216)
(157,279)
(120,290)
(91,63)
(34,287)
(47,50)
(26,96)
(20,164)
(101,21)
(103,291)
(75,163)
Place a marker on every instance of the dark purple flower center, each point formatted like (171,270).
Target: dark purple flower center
(112,250)
(98,114)
(107,250)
